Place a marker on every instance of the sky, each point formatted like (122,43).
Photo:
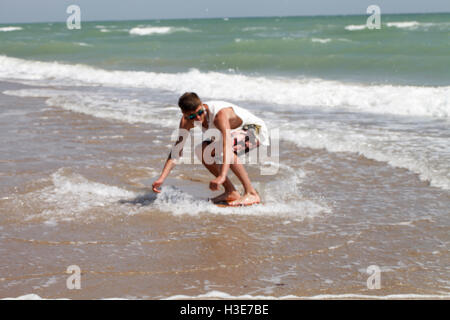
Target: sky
(21,11)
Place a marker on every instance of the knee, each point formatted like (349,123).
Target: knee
(199,152)
(206,156)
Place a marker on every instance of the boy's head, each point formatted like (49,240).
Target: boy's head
(189,102)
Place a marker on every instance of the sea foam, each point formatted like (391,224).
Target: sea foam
(281,198)
(403,24)
(412,25)
(146,31)
(321,40)
(71,196)
(219,295)
(376,145)
(104,106)
(353,27)
(309,92)
(223,295)
(8,29)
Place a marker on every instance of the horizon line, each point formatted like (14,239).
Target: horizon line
(230,17)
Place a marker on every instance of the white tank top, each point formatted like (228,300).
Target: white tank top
(246,116)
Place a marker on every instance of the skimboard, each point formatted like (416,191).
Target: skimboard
(226,205)
(199,191)
(222,204)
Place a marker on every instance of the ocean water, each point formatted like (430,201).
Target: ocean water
(364,168)
(408,49)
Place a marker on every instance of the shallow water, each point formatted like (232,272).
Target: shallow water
(76,191)
(364,162)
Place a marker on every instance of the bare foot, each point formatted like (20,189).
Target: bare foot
(226,197)
(247,199)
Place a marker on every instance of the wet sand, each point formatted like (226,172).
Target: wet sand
(75,190)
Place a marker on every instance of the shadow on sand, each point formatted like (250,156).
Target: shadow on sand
(143,200)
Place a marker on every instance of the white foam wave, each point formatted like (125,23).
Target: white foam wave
(146,31)
(31,296)
(415,24)
(403,24)
(315,93)
(71,195)
(321,40)
(83,44)
(327,40)
(8,29)
(278,201)
(218,295)
(223,295)
(77,185)
(353,27)
(377,145)
(104,106)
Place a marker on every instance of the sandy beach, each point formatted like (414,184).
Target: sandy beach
(75,190)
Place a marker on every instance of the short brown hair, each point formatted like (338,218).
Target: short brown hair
(189,101)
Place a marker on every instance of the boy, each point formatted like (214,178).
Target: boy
(241,131)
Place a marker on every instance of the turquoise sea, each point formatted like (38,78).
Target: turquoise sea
(408,49)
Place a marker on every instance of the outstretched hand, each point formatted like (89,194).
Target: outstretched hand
(215,184)
(156,185)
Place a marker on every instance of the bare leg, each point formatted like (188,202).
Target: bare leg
(250,195)
(230,194)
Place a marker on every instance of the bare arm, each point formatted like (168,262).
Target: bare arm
(170,162)
(223,124)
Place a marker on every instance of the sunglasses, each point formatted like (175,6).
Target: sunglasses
(195,114)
